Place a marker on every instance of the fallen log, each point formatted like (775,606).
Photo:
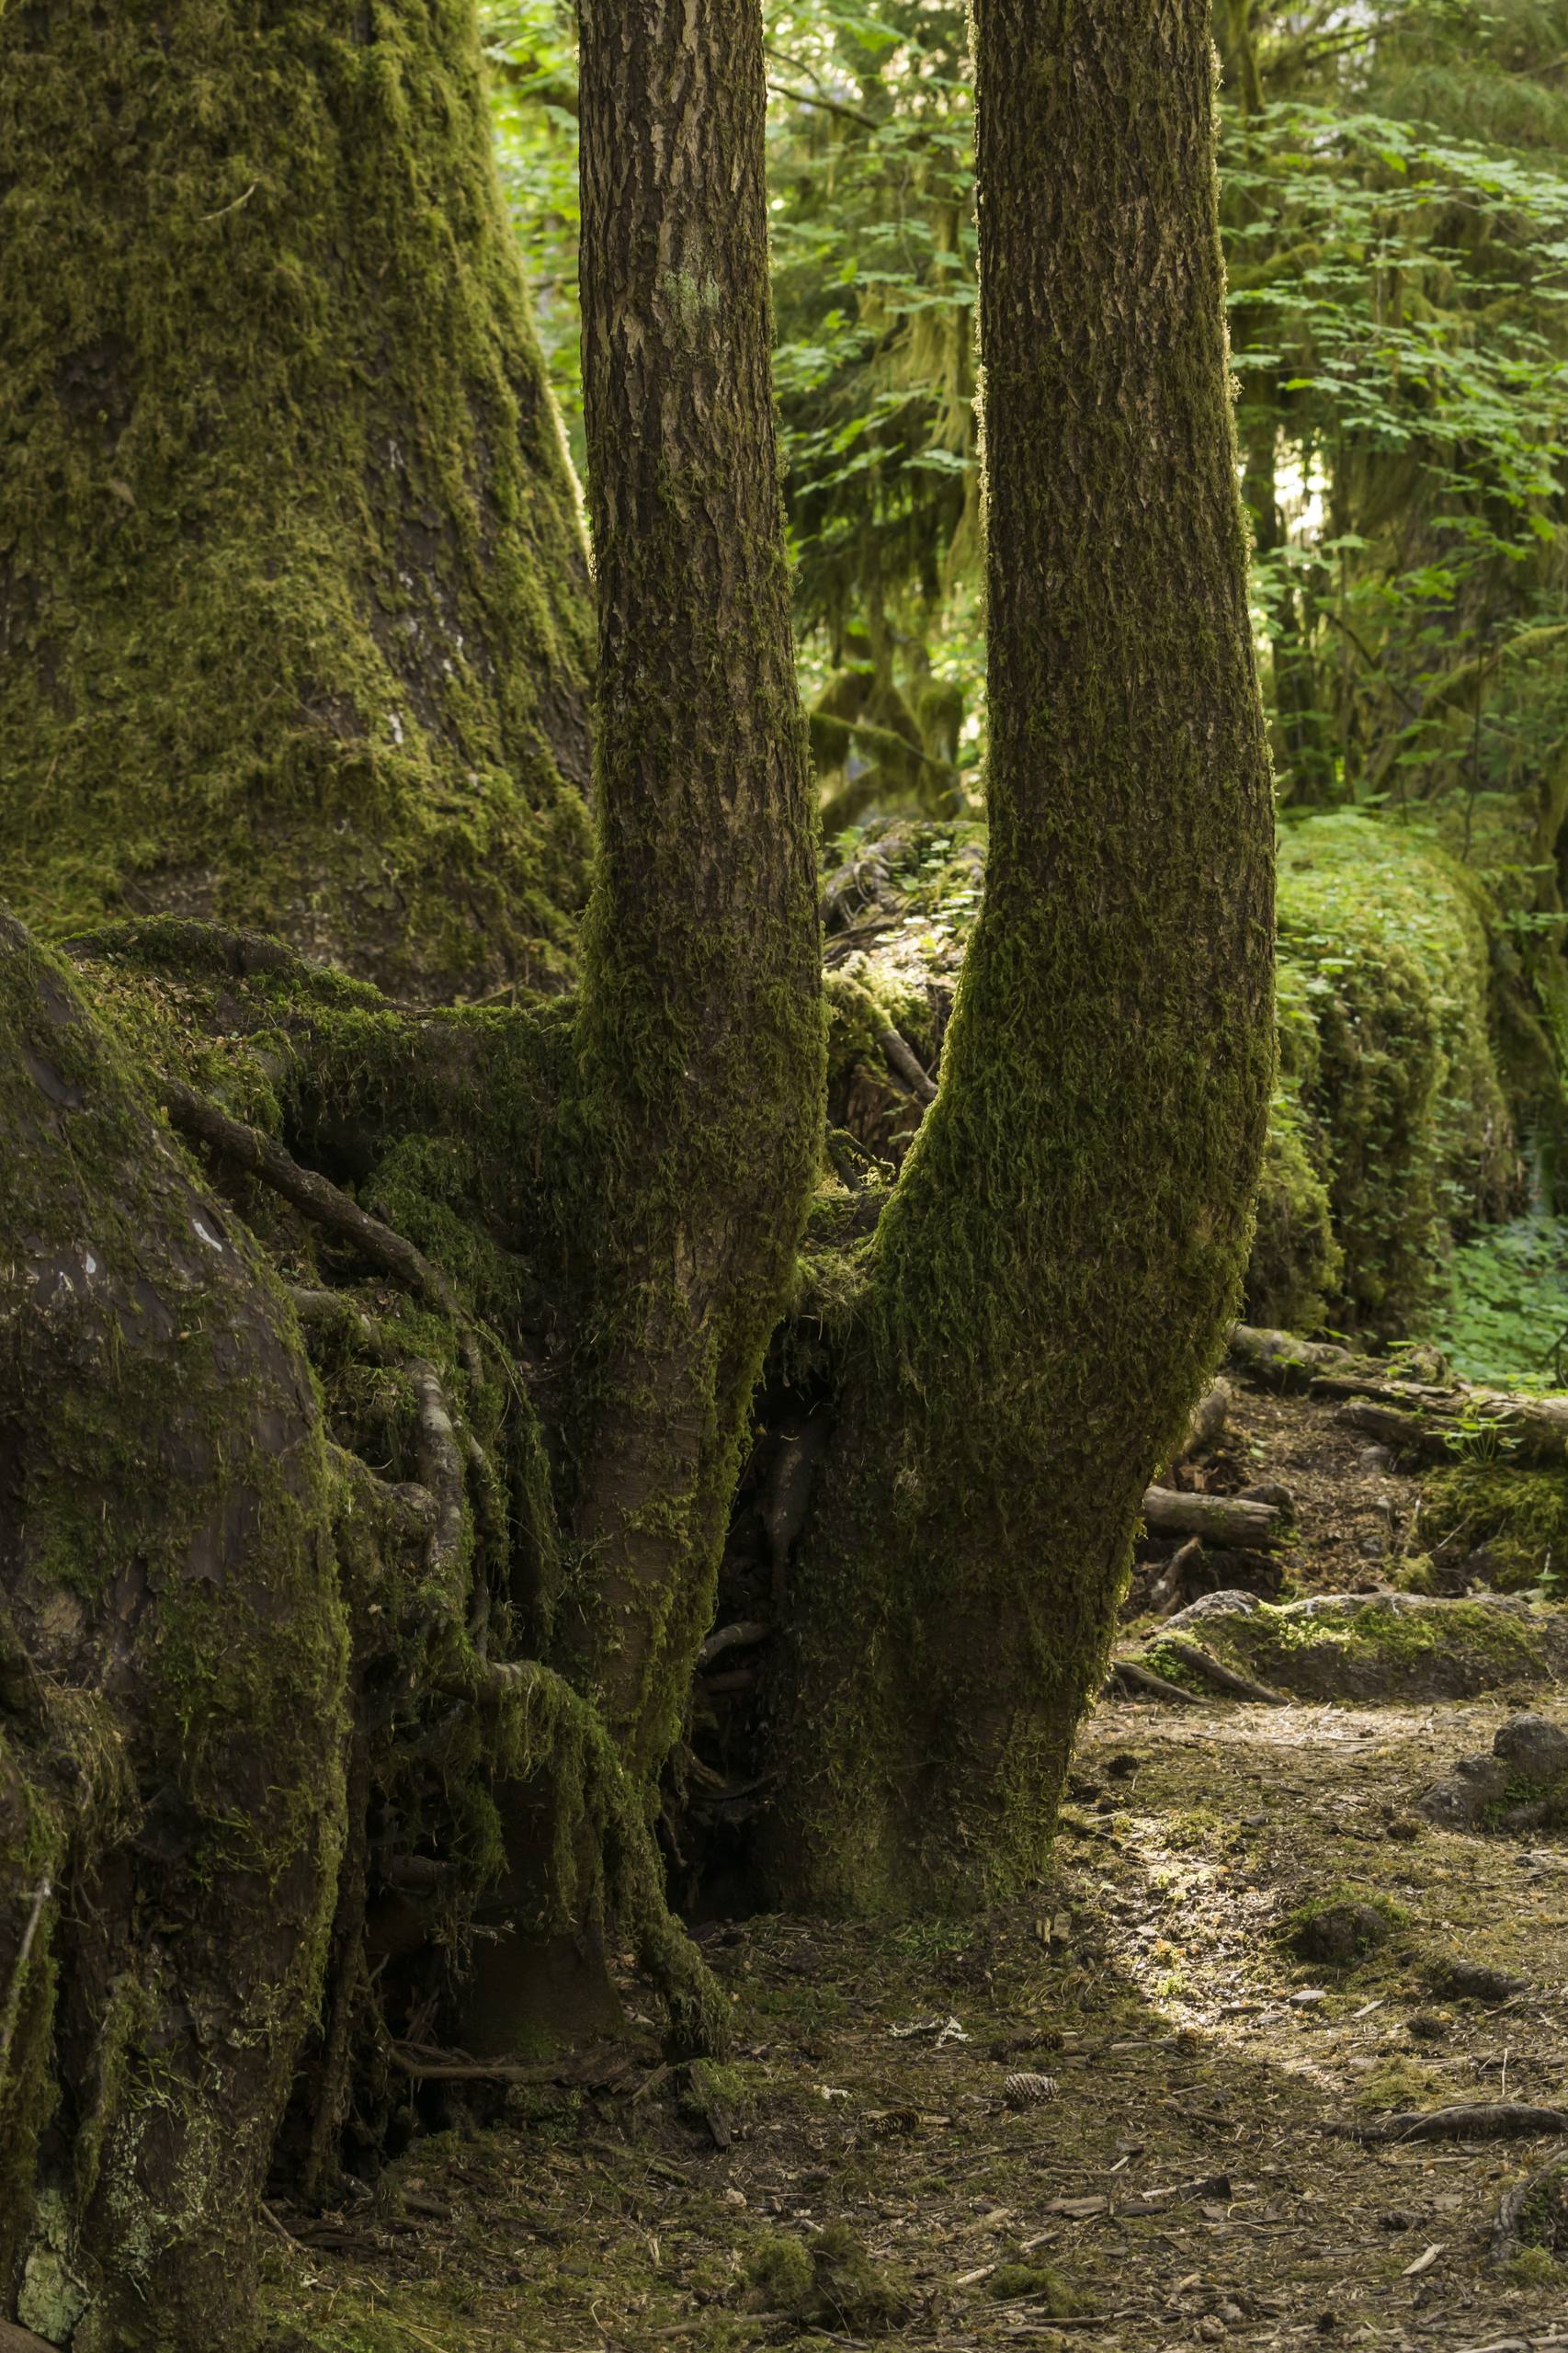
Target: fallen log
(1218,1519)
(1436,1425)
(1281,1358)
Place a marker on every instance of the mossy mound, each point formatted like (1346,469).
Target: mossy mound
(1390,1646)
(1396,1121)
(829,2283)
(1339,1931)
(1393,1121)
(1508,1526)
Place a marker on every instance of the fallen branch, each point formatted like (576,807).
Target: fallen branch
(1226,1678)
(903,1061)
(1138,1678)
(1218,1519)
(1438,1424)
(1497,2121)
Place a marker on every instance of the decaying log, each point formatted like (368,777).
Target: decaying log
(1435,1424)
(1219,1520)
(1282,1359)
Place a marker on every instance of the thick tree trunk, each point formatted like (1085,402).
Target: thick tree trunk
(172,1672)
(700,1033)
(295,622)
(1053,1276)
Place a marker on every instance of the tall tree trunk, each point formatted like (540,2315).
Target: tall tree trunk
(700,1033)
(1052,1277)
(172,1671)
(294,620)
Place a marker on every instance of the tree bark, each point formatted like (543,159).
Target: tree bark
(700,1034)
(1052,1279)
(294,619)
(172,1675)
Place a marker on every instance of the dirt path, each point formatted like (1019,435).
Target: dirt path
(1197,2065)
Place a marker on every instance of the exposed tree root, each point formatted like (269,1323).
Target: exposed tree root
(1494,2121)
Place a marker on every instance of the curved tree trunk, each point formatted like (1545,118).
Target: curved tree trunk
(172,1672)
(1053,1276)
(294,624)
(700,1033)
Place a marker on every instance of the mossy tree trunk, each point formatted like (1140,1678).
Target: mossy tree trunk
(700,1035)
(294,615)
(172,1669)
(1051,1279)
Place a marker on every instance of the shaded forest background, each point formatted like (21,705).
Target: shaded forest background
(1395,206)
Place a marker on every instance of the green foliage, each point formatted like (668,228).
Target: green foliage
(1505,1317)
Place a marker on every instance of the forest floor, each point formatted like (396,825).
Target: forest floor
(862,2170)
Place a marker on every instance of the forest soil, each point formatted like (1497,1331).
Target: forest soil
(1186,2183)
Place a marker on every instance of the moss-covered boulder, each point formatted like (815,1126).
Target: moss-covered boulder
(1393,1121)
(1388,1646)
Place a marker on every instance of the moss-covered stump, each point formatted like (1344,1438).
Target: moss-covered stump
(173,1651)
(1384,1646)
(294,624)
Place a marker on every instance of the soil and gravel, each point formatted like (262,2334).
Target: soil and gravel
(1128,2115)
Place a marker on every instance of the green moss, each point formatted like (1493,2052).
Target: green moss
(1393,1114)
(828,2282)
(1037,2282)
(1519,1517)
(1534,2267)
(294,584)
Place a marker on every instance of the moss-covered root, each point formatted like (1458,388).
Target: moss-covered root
(294,611)
(579,1856)
(1053,1276)
(700,1033)
(172,1663)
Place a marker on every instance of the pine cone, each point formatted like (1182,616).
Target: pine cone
(1028,2091)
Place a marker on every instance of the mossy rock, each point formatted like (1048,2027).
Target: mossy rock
(1391,1645)
(1338,1933)
(829,2282)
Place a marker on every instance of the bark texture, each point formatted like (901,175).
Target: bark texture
(700,1034)
(1052,1279)
(294,614)
(172,1671)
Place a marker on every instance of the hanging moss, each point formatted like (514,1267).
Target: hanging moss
(293,612)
